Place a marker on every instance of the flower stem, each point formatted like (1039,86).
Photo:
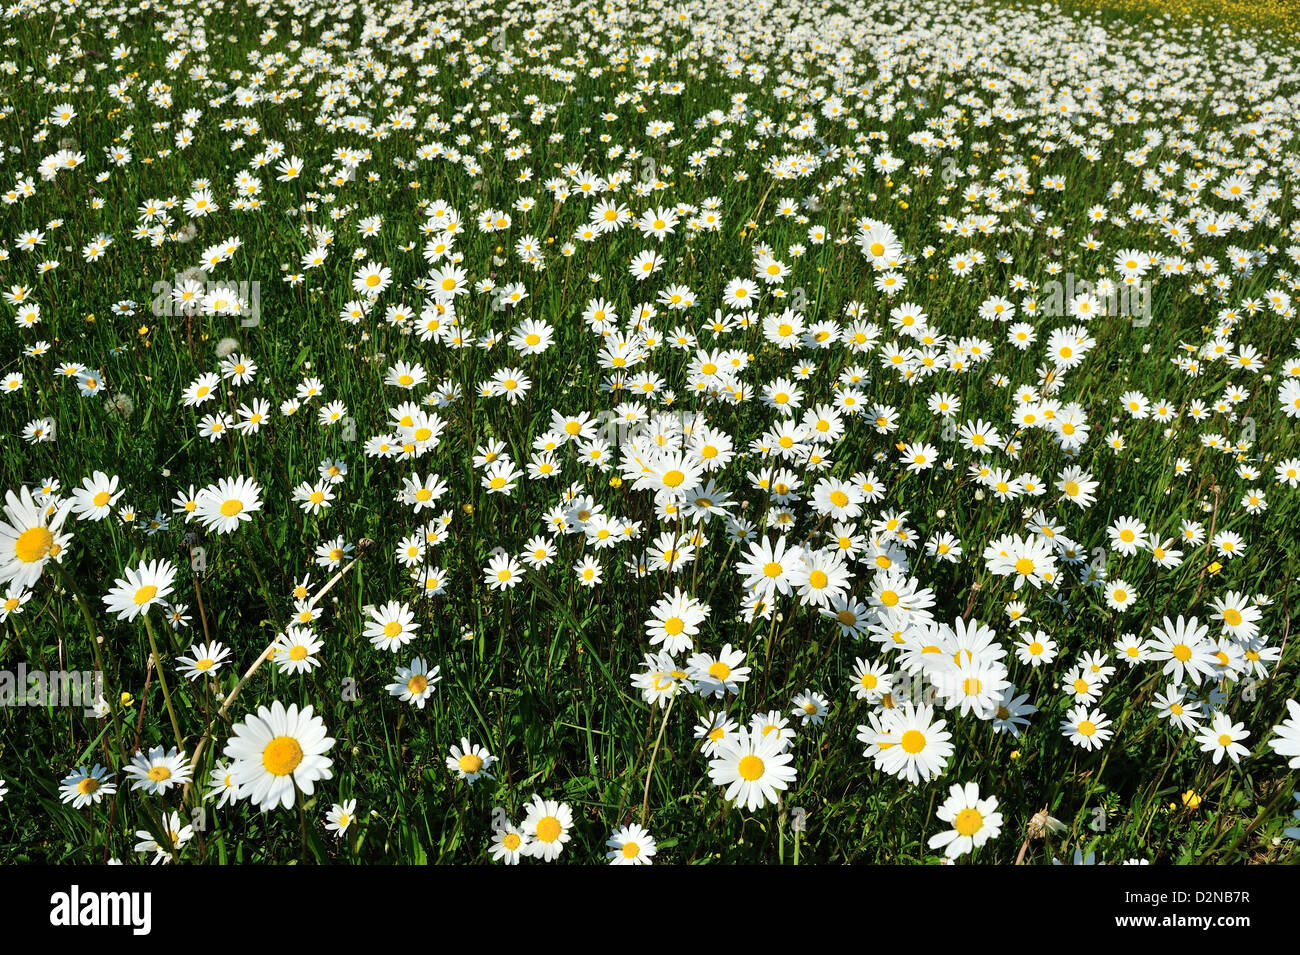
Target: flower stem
(645,800)
(162,681)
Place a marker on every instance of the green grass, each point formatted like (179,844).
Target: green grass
(541,674)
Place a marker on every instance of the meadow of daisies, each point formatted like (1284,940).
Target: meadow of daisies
(520,432)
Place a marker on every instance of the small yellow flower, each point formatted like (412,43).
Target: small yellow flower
(1015,754)
(467,508)
(1191,800)
(1215,567)
(127,699)
(616,481)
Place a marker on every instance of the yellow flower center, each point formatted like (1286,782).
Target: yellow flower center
(548,830)
(282,756)
(968,822)
(469,763)
(33,544)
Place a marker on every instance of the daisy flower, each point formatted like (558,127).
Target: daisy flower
(676,620)
(712,729)
(720,675)
(509,844)
(1011,711)
(1174,706)
(502,572)
(278,751)
(295,650)
(810,707)
(222,784)
(416,683)
(158,771)
(911,744)
(547,825)
(1182,644)
(631,845)
(752,768)
(1238,615)
(81,788)
(391,626)
(1223,736)
(469,762)
(223,506)
(341,817)
(30,536)
(974,821)
(1288,736)
(176,834)
(1086,728)
(141,588)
